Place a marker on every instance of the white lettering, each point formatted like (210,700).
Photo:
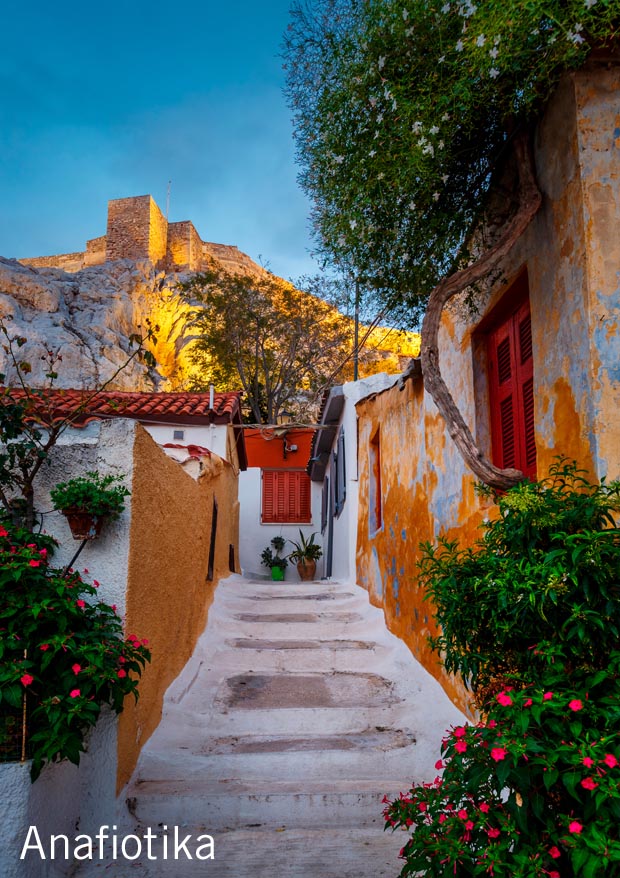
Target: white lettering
(53,839)
(180,846)
(210,845)
(88,844)
(124,847)
(101,835)
(149,836)
(37,846)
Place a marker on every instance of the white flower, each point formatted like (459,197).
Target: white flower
(381,62)
(409,32)
(405,15)
(422,141)
(416,127)
(494,52)
(552,39)
(445,117)
(496,41)
(436,196)
(442,59)
(411,205)
(459,46)
(445,8)
(380,176)
(353,223)
(372,153)
(339,159)
(380,118)
(429,149)
(493,72)
(445,178)
(406,257)
(590,3)
(394,104)
(574,36)
(342,241)
(434,130)
(372,102)
(441,144)
(481,40)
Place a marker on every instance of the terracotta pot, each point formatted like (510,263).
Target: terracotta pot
(306,570)
(84,525)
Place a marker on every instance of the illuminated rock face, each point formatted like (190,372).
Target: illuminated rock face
(88,316)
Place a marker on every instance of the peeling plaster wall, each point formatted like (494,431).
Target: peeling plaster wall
(168,595)
(572,254)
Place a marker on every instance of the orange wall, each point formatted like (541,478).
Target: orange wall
(268,453)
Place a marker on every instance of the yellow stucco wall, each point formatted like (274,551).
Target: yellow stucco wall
(168,595)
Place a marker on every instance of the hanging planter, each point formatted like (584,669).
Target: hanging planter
(88,502)
(84,525)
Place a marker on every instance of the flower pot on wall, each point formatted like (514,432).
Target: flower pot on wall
(277,574)
(84,525)
(306,570)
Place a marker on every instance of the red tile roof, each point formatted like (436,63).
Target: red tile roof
(169,408)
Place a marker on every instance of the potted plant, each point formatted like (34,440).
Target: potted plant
(271,557)
(306,553)
(88,501)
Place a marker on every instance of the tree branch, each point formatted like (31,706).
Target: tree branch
(530,200)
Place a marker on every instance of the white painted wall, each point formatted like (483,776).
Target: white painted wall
(254,536)
(211,436)
(65,797)
(345,526)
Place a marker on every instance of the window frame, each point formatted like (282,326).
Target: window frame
(280,479)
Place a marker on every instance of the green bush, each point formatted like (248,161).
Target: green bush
(530,615)
(94,493)
(61,648)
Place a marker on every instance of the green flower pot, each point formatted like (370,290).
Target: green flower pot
(277,574)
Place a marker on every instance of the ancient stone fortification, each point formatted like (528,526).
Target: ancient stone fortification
(137,229)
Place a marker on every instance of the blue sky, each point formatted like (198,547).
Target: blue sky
(101,101)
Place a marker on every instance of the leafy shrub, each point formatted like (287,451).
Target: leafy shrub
(545,574)
(531,614)
(269,559)
(61,647)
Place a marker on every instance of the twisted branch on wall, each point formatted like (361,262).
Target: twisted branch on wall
(529,200)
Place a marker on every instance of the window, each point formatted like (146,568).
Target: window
(511,389)
(178,435)
(375,509)
(340,475)
(286,497)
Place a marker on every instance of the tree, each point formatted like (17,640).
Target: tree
(279,343)
(30,427)
(413,120)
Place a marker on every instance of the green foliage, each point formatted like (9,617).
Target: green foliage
(60,647)
(306,549)
(403,111)
(270,557)
(93,493)
(531,616)
(546,574)
(258,331)
(530,791)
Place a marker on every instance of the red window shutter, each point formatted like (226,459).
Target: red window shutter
(286,497)
(511,392)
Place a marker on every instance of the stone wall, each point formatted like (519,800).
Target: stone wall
(95,251)
(66,261)
(135,230)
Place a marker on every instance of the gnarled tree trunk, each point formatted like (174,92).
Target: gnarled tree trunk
(530,200)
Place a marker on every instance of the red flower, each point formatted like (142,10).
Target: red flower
(145,641)
(113,607)
(485,808)
(439,764)
(76,669)
(547,696)
(44,647)
(588,762)
(469,825)
(75,693)
(121,673)
(588,783)
(27,679)
(34,563)
(95,583)
(504,699)
(575,827)
(491,724)
(498,753)
(81,604)
(442,818)
(460,746)
(555,852)
(3,532)
(492,833)
(610,760)
(554,874)
(575,704)
(462,814)
(527,703)
(459,732)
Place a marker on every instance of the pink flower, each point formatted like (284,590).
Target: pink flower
(504,699)
(113,607)
(498,753)
(27,679)
(462,814)
(131,637)
(547,696)
(588,762)
(459,732)
(492,833)
(43,553)
(575,704)
(442,818)
(44,647)
(75,693)
(81,604)
(439,764)
(610,760)
(145,641)
(86,570)
(527,703)
(95,583)
(491,724)
(34,563)
(121,673)
(469,825)
(588,783)
(460,746)
(3,532)
(76,669)
(554,874)
(575,827)
(555,852)
(485,808)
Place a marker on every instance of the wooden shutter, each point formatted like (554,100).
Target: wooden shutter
(286,497)
(511,391)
